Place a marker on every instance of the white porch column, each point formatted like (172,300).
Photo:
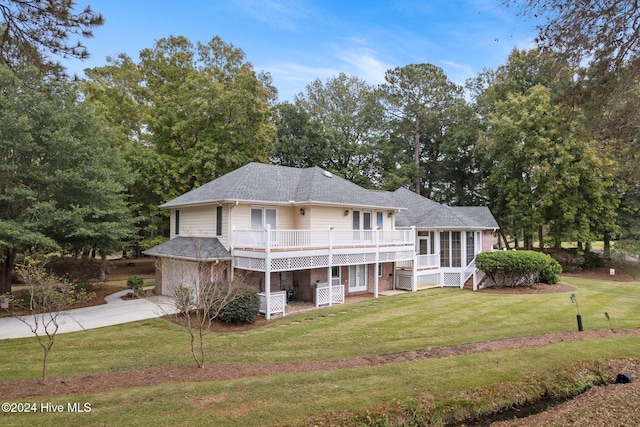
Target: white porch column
(231,250)
(414,273)
(376,266)
(438,248)
(463,245)
(329,281)
(267,272)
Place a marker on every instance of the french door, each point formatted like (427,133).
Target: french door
(357,278)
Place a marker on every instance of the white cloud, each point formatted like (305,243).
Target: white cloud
(291,78)
(364,64)
(285,15)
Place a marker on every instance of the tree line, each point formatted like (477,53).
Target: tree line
(547,141)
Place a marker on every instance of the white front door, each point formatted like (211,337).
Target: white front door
(357,278)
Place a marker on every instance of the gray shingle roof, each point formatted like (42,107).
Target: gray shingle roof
(257,182)
(191,248)
(425,213)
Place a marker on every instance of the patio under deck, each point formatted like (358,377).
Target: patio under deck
(296,307)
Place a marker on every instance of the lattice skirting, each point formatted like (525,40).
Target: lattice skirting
(277,302)
(254,264)
(403,283)
(428,280)
(316,261)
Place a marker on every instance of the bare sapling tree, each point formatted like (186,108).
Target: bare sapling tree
(201,291)
(45,296)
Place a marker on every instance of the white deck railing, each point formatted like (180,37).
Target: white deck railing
(277,302)
(319,239)
(324,297)
(423,261)
(468,272)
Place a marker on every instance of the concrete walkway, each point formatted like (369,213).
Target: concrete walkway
(114,312)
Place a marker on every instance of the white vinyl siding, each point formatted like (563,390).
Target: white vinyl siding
(177,273)
(323,217)
(198,221)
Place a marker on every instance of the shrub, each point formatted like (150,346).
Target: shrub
(80,271)
(135,283)
(185,299)
(518,268)
(551,272)
(243,308)
(592,260)
(570,262)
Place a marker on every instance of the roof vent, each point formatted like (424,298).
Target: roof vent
(327,174)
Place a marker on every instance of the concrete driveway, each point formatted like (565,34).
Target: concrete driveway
(114,312)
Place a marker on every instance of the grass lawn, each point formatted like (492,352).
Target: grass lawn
(434,318)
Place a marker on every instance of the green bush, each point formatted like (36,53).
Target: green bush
(570,262)
(135,283)
(592,260)
(518,268)
(551,272)
(80,271)
(242,309)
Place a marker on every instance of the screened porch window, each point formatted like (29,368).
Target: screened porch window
(456,249)
(426,242)
(450,249)
(471,246)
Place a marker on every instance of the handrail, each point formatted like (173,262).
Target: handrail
(312,239)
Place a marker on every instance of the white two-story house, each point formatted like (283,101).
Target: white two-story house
(313,236)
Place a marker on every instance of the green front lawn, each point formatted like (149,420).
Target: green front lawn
(433,318)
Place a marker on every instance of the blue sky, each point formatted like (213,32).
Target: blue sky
(297,41)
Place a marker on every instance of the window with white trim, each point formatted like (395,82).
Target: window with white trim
(261,217)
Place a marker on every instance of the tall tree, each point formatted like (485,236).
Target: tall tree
(587,31)
(540,168)
(419,99)
(350,119)
(184,114)
(35,31)
(298,142)
(604,38)
(458,181)
(61,180)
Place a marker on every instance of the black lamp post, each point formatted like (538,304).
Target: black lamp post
(579,317)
